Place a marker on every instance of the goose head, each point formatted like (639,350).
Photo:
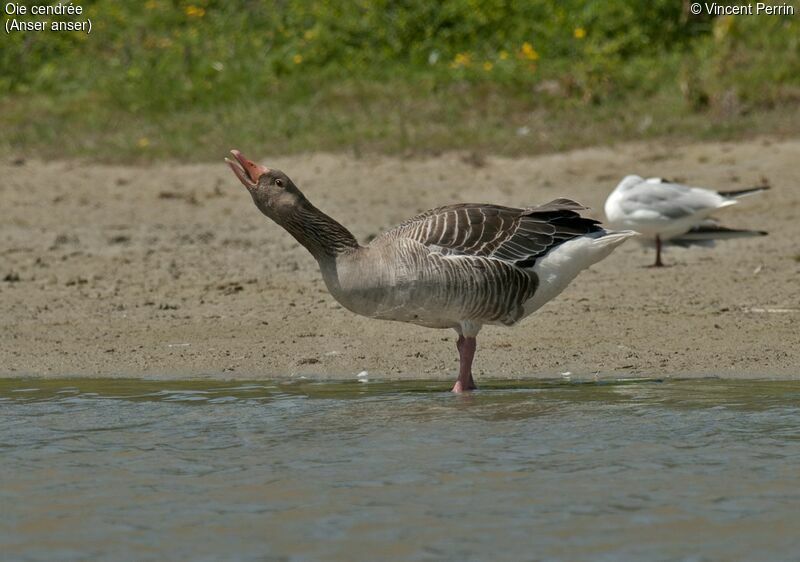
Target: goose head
(272,191)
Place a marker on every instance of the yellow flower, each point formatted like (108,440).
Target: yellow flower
(488,66)
(151,4)
(143,142)
(503,55)
(462,59)
(194,11)
(528,52)
(309,34)
(579,33)
(298,58)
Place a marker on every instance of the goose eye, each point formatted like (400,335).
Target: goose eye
(279,182)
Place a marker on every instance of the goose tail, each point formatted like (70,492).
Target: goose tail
(613,238)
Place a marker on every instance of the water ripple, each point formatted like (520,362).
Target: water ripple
(398,471)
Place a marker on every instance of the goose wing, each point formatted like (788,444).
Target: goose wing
(516,236)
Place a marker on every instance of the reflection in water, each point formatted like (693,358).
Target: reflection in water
(146,470)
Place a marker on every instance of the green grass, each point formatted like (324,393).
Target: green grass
(371,118)
(189,80)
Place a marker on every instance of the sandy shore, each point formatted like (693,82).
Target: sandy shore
(170,271)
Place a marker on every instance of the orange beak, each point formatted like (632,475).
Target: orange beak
(247,171)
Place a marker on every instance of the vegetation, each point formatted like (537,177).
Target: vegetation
(190,79)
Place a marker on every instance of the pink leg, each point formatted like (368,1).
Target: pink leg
(466,350)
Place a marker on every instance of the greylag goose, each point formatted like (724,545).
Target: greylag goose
(458,267)
(664,212)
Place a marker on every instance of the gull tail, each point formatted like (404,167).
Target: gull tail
(744,192)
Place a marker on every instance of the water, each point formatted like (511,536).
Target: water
(142,470)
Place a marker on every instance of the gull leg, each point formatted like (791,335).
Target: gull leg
(466,351)
(658,263)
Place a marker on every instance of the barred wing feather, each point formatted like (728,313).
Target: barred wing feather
(517,236)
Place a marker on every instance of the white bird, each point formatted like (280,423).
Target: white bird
(664,212)
(457,267)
